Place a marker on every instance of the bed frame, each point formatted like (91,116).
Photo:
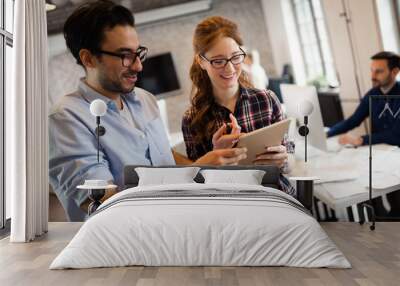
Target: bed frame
(270,179)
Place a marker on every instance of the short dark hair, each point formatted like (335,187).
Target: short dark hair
(84,28)
(393,60)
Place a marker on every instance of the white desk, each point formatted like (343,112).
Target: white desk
(340,195)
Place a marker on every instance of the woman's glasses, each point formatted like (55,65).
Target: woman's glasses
(221,63)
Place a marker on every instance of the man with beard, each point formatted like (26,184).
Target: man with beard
(102,38)
(385,67)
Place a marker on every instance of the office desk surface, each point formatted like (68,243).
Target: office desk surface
(374,255)
(342,194)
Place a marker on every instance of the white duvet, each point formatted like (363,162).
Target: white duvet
(185,230)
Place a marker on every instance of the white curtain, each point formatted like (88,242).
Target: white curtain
(26,124)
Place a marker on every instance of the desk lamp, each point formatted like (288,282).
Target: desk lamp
(305,108)
(98,108)
(305,185)
(96,188)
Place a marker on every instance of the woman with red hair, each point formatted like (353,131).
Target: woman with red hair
(223,100)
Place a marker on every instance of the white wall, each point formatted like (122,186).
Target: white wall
(354,33)
(285,44)
(274,20)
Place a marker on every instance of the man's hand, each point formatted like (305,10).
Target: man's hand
(350,139)
(274,155)
(223,157)
(222,140)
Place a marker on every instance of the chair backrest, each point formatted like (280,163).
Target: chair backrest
(274,84)
(270,179)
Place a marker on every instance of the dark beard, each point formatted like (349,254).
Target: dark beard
(113,86)
(381,84)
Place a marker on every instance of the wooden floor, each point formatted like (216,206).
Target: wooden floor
(375,257)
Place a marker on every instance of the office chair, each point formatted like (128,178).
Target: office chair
(331,108)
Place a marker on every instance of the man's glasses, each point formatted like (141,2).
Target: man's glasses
(221,63)
(128,58)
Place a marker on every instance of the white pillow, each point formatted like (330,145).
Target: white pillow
(248,177)
(166,176)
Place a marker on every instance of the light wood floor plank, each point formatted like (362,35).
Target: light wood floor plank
(375,257)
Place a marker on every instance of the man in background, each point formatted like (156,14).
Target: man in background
(385,67)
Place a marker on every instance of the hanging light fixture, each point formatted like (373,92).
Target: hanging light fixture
(50,6)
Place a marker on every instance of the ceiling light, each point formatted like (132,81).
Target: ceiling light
(50,7)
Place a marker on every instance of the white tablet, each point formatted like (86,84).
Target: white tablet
(257,140)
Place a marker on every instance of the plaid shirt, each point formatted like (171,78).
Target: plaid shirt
(254,109)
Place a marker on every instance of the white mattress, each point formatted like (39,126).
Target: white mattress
(184,230)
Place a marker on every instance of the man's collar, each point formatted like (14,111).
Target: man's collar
(89,94)
(387,90)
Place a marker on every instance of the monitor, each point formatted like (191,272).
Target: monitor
(331,108)
(159,76)
(274,84)
(292,96)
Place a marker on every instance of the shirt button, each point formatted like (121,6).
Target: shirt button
(142,136)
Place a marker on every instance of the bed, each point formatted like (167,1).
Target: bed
(201,224)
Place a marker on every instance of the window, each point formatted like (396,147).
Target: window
(6,43)
(314,42)
(388,15)
(9,13)
(397,12)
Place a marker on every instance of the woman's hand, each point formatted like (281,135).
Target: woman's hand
(274,155)
(223,157)
(221,140)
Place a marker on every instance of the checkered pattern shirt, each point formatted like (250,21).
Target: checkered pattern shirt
(254,109)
